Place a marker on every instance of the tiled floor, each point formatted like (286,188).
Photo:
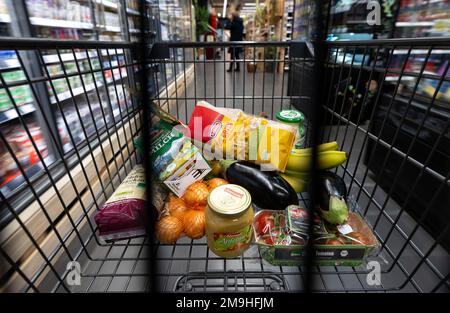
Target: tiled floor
(190,266)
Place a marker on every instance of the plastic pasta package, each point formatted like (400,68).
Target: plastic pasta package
(124,214)
(232,134)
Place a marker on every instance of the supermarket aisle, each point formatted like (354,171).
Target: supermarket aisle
(250,91)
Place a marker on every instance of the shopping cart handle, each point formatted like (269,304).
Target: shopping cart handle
(159,50)
(302,49)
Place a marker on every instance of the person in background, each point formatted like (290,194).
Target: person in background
(236,27)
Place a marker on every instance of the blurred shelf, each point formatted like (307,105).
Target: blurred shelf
(5,18)
(13,181)
(134,31)
(112,29)
(11,114)
(89,87)
(422,51)
(414,24)
(395,78)
(108,4)
(39,21)
(133,12)
(54,58)
(65,57)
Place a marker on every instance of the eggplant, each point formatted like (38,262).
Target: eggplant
(332,200)
(268,189)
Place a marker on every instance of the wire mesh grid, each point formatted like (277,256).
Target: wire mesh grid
(411,259)
(84,96)
(412,256)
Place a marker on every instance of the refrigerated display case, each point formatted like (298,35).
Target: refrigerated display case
(17,108)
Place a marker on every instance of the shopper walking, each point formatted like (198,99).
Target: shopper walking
(236,27)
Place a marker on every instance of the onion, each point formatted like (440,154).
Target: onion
(215,182)
(169,229)
(194,224)
(176,207)
(196,194)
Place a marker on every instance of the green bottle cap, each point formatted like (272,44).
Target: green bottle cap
(290,116)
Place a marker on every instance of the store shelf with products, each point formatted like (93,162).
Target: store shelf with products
(21,145)
(61,19)
(433,63)
(348,20)
(304,12)
(133,19)
(110,4)
(40,21)
(422,18)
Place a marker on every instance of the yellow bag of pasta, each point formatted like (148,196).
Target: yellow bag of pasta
(232,134)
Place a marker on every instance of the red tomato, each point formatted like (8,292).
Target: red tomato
(264,223)
(334,242)
(269,240)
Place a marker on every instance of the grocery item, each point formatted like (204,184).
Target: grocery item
(159,195)
(175,160)
(196,194)
(215,169)
(169,229)
(295,119)
(229,219)
(332,194)
(194,224)
(123,215)
(328,146)
(176,207)
(281,237)
(300,161)
(267,188)
(232,134)
(297,183)
(215,182)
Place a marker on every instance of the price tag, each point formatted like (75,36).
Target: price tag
(344,229)
(10,114)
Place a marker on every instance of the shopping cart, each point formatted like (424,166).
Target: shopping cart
(48,235)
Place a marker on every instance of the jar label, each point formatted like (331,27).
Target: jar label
(233,240)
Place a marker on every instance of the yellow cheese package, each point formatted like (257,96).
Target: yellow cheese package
(232,134)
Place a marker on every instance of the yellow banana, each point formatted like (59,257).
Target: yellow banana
(326,160)
(328,146)
(297,183)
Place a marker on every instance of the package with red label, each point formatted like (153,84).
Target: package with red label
(232,134)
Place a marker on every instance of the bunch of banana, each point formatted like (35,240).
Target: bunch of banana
(298,164)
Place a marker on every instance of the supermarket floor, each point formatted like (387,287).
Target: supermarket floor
(182,267)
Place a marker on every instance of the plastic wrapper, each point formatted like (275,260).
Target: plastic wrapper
(282,236)
(232,134)
(124,214)
(176,162)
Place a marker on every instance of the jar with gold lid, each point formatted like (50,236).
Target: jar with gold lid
(229,220)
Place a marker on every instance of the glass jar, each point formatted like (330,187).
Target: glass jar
(295,119)
(229,220)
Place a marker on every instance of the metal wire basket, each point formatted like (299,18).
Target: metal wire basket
(47,222)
